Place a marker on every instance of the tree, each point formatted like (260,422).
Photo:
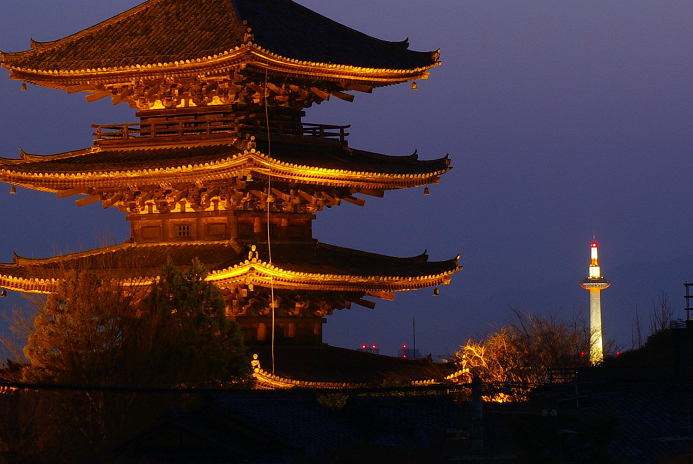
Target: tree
(94,331)
(98,333)
(662,314)
(522,353)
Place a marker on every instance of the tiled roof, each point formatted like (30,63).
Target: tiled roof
(326,363)
(293,31)
(341,157)
(320,258)
(296,264)
(108,160)
(172,32)
(328,164)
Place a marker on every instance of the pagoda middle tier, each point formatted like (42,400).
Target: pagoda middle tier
(308,280)
(223,174)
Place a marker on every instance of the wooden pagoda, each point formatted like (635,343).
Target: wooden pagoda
(221,166)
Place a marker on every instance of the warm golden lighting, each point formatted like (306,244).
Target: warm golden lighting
(595,272)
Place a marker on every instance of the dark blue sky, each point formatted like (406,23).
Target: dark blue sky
(560,118)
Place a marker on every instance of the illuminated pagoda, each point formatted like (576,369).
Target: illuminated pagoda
(221,166)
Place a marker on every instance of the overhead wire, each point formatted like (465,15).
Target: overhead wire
(267,206)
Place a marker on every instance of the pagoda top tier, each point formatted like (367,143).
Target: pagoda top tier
(205,43)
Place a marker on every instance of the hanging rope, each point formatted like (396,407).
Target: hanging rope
(267,206)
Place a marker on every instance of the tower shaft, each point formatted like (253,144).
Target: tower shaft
(596,336)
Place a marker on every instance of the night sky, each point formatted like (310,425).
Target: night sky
(561,118)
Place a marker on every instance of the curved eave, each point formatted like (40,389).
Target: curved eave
(250,55)
(267,381)
(231,166)
(43,275)
(260,274)
(264,274)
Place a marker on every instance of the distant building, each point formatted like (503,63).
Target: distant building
(370,349)
(409,353)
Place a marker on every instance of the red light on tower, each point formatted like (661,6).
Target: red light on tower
(363,347)
(404,346)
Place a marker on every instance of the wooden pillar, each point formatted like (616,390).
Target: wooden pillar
(284,231)
(257,228)
(262,332)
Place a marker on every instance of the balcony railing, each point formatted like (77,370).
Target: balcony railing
(151,132)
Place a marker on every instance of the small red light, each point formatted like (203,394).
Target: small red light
(594,244)
(404,355)
(618,353)
(373,347)
(582,353)
(404,346)
(363,347)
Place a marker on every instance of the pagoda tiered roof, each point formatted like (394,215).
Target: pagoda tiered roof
(318,164)
(197,38)
(308,266)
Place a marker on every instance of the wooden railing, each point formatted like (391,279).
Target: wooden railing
(146,131)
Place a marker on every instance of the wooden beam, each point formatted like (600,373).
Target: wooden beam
(88,200)
(79,88)
(373,192)
(308,197)
(122,96)
(180,195)
(98,95)
(344,96)
(320,93)
(365,303)
(113,200)
(73,191)
(144,197)
(275,89)
(354,200)
(360,88)
(389,296)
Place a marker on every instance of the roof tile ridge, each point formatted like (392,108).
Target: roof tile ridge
(235,13)
(413,158)
(19,260)
(169,146)
(423,257)
(259,50)
(32,157)
(41,46)
(394,44)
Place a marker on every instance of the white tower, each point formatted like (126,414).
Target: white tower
(595,283)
